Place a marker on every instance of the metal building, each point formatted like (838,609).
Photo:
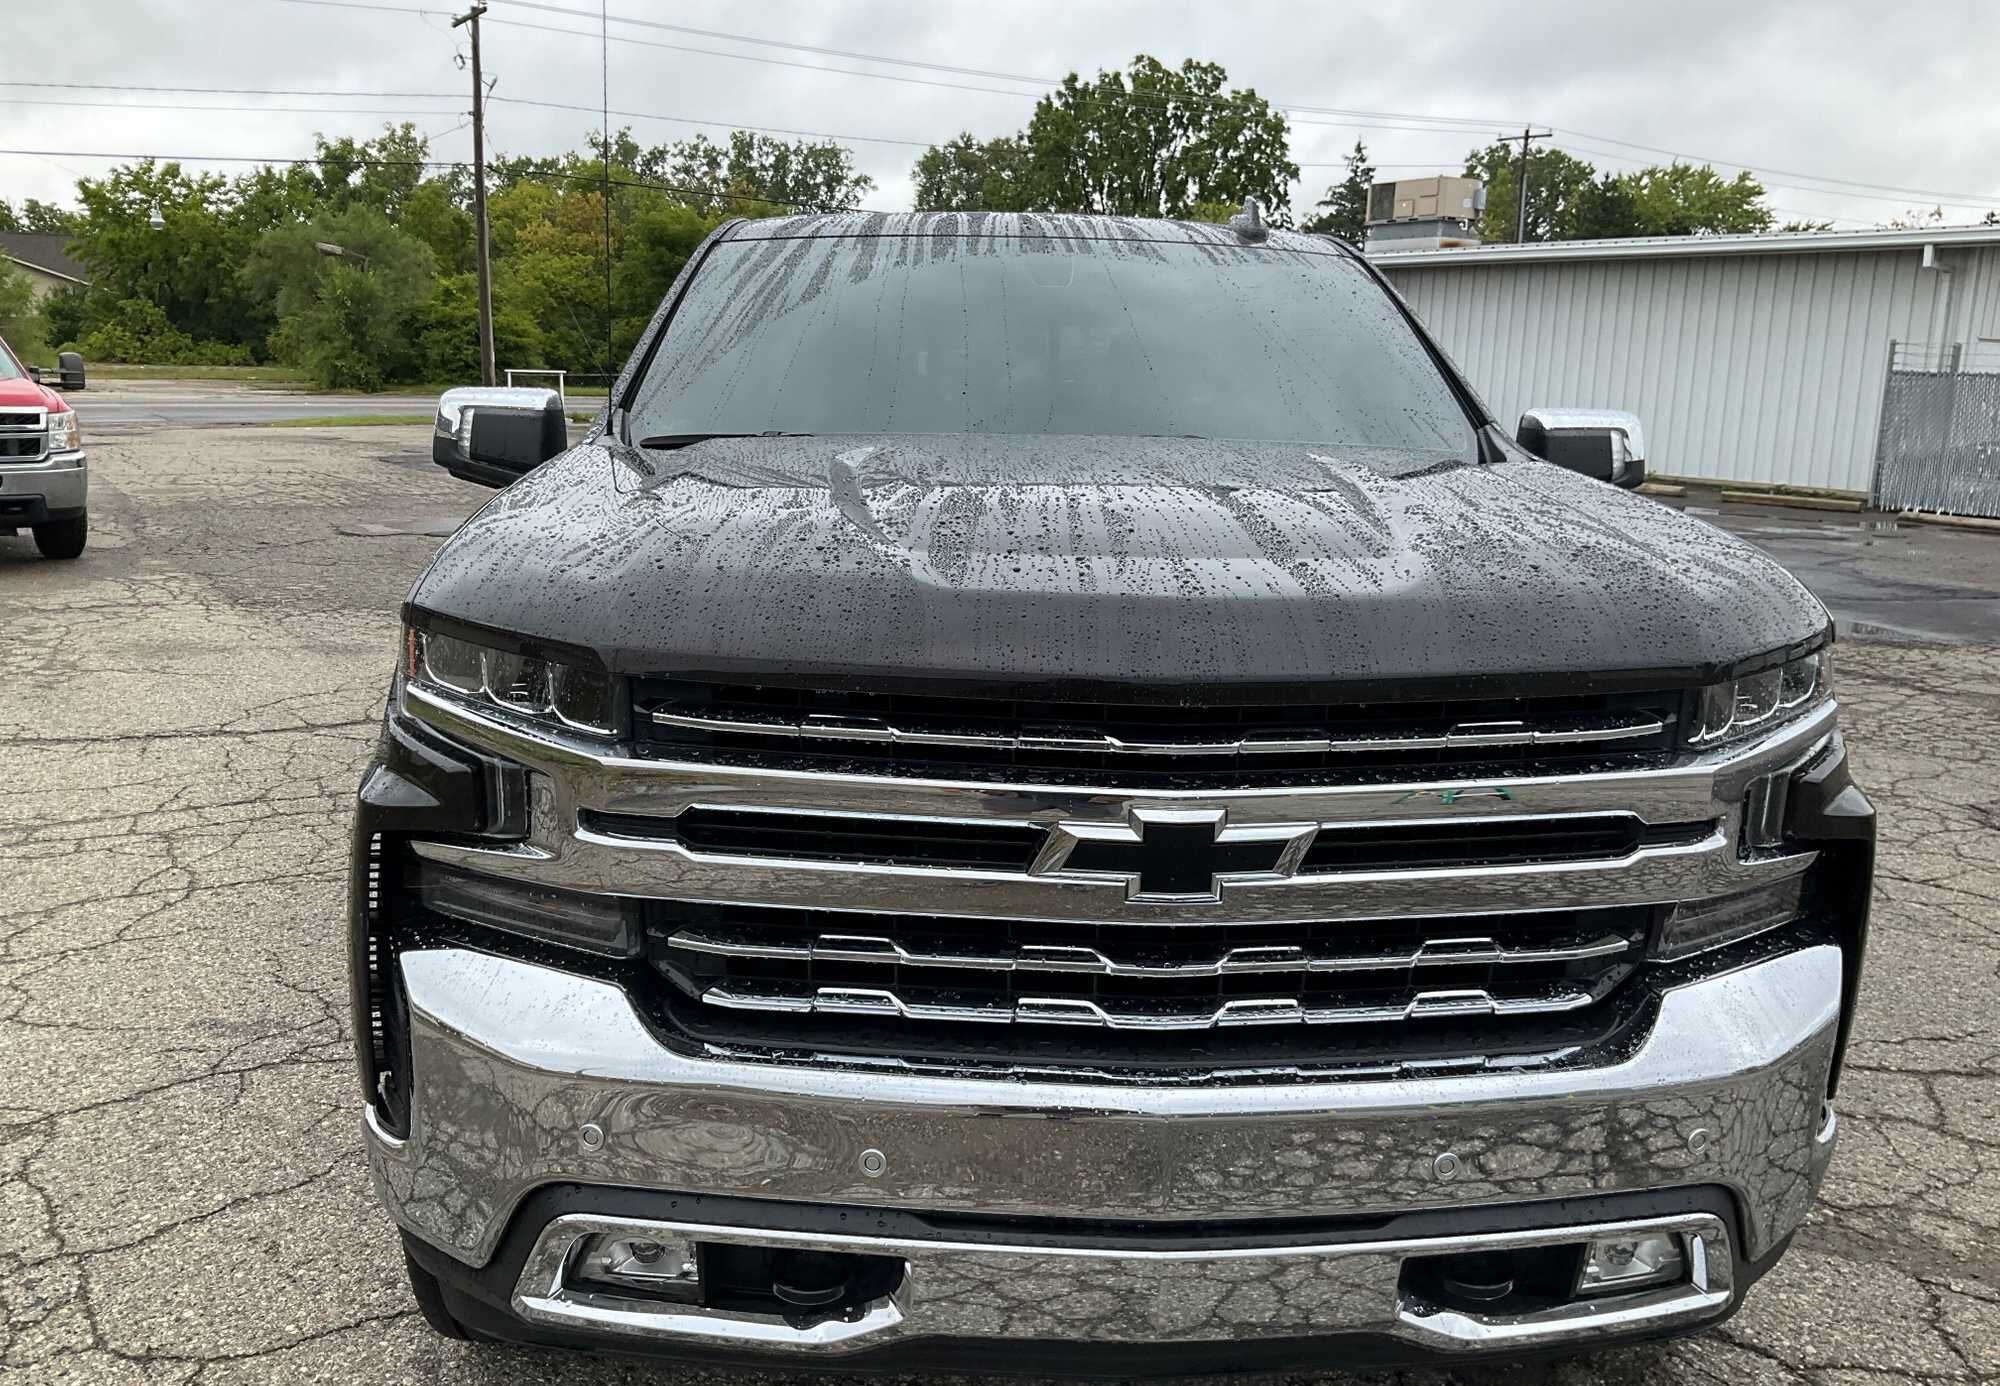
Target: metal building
(1761,358)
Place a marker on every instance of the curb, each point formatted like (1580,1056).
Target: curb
(1794,502)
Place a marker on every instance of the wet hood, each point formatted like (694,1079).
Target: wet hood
(1056,562)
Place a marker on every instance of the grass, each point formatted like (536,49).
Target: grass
(260,375)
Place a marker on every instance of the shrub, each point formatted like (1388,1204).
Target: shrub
(137,330)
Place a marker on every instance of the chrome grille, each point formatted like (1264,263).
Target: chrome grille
(946,843)
(833,912)
(24,435)
(1138,743)
(951,986)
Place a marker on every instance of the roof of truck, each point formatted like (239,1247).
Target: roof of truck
(1056,226)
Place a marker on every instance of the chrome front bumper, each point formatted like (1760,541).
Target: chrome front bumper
(525,1076)
(1017,1294)
(62,481)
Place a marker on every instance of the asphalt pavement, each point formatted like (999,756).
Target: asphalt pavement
(120,407)
(183,716)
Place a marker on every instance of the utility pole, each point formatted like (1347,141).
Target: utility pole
(486,372)
(604,73)
(1528,133)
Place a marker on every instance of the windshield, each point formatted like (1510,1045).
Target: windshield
(10,369)
(1037,335)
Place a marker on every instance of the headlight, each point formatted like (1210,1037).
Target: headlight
(1758,702)
(563,695)
(64,436)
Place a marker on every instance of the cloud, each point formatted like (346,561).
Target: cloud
(1856,91)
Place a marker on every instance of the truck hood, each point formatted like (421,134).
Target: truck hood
(26,394)
(1043,562)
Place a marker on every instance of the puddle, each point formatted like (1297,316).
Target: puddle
(434,527)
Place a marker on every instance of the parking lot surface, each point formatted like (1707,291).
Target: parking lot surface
(183,716)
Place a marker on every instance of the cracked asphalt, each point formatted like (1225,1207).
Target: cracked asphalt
(183,716)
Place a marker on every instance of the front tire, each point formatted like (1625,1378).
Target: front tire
(62,538)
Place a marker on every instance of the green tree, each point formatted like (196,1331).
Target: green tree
(1151,141)
(380,173)
(446,332)
(1682,199)
(813,175)
(187,264)
(48,218)
(659,240)
(1344,209)
(431,214)
(1557,183)
(350,335)
(344,320)
(37,216)
(968,175)
(21,322)
(63,315)
(1605,210)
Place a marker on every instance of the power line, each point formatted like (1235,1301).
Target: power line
(182,106)
(1408,121)
(594,179)
(1434,123)
(359,5)
(228,91)
(724,124)
(1978,199)
(1418,120)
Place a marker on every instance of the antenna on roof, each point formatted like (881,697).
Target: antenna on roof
(1248,224)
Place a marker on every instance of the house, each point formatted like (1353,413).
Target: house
(44,258)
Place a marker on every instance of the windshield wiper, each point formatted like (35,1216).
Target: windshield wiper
(667,442)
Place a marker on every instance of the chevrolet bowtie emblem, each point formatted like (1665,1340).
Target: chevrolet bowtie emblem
(1173,854)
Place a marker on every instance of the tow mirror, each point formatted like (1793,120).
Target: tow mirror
(496,436)
(1604,443)
(69,370)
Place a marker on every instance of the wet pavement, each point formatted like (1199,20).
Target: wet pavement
(183,715)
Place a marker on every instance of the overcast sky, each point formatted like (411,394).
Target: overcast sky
(1901,98)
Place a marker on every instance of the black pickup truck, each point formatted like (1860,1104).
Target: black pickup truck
(1053,793)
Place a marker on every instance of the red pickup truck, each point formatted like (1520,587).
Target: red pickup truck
(43,479)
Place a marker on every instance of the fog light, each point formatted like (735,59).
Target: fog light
(1694,925)
(659,1269)
(1615,1264)
(601,923)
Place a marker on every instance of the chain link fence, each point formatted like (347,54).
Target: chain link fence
(1939,445)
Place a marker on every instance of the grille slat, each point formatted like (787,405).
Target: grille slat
(1001,845)
(1118,744)
(874,949)
(1075,1010)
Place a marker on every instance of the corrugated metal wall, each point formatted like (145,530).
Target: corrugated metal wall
(1761,368)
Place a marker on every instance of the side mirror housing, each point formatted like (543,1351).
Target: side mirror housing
(1607,444)
(496,436)
(69,369)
